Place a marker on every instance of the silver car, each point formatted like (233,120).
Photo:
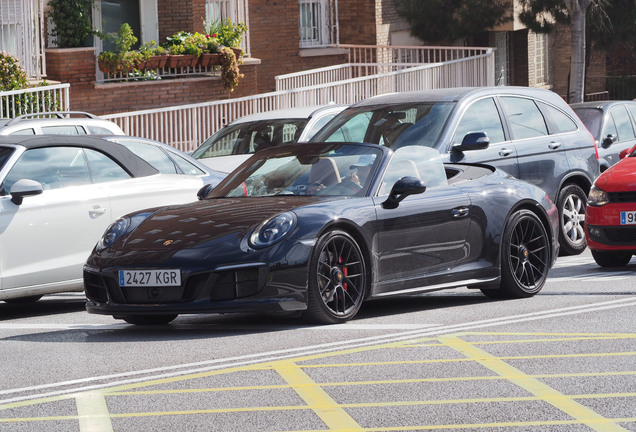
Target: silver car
(59,123)
(531,133)
(235,142)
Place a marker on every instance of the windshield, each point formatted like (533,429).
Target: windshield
(394,125)
(328,170)
(247,138)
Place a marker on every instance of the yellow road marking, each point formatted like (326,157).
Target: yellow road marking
(93,412)
(329,411)
(534,386)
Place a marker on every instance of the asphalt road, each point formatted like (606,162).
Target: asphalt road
(564,360)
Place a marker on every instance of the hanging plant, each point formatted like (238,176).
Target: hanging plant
(230,74)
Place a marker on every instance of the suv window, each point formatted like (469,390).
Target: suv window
(524,117)
(482,116)
(623,124)
(354,130)
(560,122)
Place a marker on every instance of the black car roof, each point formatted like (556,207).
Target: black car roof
(129,161)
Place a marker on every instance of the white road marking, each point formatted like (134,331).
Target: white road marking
(92,383)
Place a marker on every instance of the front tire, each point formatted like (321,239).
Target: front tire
(571,204)
(525,257)
(337,279)
(611,258)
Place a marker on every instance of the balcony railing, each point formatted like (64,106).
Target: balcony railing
(33,100)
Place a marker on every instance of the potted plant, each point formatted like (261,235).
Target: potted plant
(122,59)
(231,35)
(183,50)
(153,56)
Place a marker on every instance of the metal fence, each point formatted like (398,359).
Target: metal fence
(33,100)
(185,127)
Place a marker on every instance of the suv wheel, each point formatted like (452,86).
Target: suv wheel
(571,204)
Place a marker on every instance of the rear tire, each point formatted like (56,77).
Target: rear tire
(337,279)
(148,319)
(612,258)
(571,204)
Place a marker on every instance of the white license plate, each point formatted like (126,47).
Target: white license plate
(154,278)
(628,217)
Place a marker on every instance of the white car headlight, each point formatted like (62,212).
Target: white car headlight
(272,230)
(597,197)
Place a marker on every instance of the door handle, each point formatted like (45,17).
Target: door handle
(505,152)
(460,212)
(554,145)
(97,211)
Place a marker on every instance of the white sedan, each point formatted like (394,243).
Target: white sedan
(58,194)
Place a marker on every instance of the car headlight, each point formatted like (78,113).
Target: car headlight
(118,228)
(597,197)
(272,230)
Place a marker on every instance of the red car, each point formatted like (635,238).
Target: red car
(610,225)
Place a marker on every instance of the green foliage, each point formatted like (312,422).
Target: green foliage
(72,19)
(230,74)
(542,16)
(230,34)
(450,20)
(122,59)
(12,76)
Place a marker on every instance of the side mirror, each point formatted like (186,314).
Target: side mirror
(625,152)
(204,191)
(401,189)
(23,188)
(473,141)
(609,140)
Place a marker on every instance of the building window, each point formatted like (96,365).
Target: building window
(540,58)
(21,34)
(502,59)
(318,24)
(141,15)
(234,10)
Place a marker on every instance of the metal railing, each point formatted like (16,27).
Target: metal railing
(35,99)
(185,127)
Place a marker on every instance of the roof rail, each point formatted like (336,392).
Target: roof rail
(56,114)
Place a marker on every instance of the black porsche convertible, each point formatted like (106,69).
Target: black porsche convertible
(319,228)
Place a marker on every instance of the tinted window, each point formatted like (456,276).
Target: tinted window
(560,122)
(481,116)
(524,118)
(592,118)
(623,123)
(319,124)
(54,167)
(103,168)
(98,130)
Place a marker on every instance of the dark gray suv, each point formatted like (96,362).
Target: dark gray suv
(531,133)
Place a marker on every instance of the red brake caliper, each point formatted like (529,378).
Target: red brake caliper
(345,271)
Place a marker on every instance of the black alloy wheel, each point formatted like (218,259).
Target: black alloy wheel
(525,257)
(571,204)
(337,279)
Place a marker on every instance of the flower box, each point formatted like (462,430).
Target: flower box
(181,61)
